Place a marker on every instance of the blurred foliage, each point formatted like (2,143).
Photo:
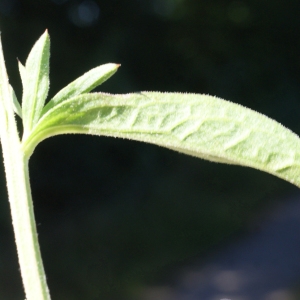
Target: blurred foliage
(113,214)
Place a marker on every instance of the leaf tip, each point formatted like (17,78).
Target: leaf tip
(46,35)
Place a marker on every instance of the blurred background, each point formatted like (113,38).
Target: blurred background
(114,215)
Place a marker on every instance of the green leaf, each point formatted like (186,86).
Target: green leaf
(84,84)
(35,80)
(22,72)
(16,105)
(198,125)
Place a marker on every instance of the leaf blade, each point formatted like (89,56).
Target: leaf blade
(36,79)
(16,105)
(83,84)
(199,125)
(22,72)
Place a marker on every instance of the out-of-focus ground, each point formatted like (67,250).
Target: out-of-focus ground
(263,264)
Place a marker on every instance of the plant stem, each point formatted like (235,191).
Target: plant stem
(17,178)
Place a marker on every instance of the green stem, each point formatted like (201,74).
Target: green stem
(17,178)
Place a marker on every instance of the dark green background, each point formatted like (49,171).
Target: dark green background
(113,214)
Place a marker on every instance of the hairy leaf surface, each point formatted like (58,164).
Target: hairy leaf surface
(198,125)
(35,80)
(84,84)
(16,105)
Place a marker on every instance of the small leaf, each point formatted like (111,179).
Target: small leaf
(16,105)
(22,72)
(198,125)
(35,79)
(84,84)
